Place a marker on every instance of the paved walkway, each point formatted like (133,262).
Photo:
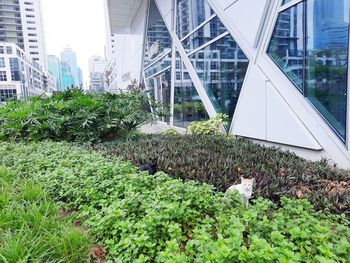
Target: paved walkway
(157,128)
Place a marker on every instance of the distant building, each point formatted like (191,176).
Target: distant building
(22,77)
(81,79)
(67,78)
(97,66)
(69,57)
(54,68)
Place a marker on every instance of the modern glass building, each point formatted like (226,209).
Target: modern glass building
(277,68)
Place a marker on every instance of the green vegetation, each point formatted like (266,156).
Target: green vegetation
(143,218)
(221,161)
(30,227)
(212,126)
(73,116)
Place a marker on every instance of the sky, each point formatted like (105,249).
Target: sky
(79,24)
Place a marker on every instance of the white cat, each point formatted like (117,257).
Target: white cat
(245,188)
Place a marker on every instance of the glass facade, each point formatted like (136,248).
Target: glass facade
(221,67)
(158,66)
(288,44)
(190,14)
(310,44)
(158,39)
(15,69)
(209,31)
(188,106)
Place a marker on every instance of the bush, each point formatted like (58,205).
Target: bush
(72,116)
(212,126)
(143,218)
(221,161)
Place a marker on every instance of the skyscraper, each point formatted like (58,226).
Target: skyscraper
(67,79)
(21,23)
(69,57)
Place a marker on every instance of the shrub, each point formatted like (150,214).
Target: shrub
(143,218)
(72,116)
(221,161)
(171,132)
(212,126)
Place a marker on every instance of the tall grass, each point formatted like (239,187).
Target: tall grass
(30,227)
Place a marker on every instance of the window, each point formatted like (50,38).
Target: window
(15,70)
(158,40)
(209,31)
(288,43)
(188,106)
(29,9)
(223,75)
(310,44)
(3,76)
(30,16)
(2,62)
(33,40)
(9,50)
(31,28)
(32,35)
(30,22)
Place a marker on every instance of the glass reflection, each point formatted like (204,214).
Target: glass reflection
(203,35)
(188,106)
(327,59)
(158,40)
(287,44)
(221,67)
(190,14)
(158,66)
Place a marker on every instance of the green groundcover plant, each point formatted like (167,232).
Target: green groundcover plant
(30,227)
(144,218)
(73,116)
(221,161)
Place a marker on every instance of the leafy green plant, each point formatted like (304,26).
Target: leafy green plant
(171,132)
(222,161)
(73,116)
(144,218)
(212,126)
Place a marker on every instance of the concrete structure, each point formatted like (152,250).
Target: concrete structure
(277,68)
(97,67)
(69,57)
(22,77)
(21,23)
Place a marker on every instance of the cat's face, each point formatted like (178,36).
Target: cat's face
(247,183)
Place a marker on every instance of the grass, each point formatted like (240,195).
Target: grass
(31,229)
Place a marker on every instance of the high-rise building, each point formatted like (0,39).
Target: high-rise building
(55,69)
(278,69)
(21,23)
(97,67)
(69,57)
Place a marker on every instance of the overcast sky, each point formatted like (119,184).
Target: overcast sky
(77,23)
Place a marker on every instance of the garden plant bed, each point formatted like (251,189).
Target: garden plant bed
(137,217)
(221,161)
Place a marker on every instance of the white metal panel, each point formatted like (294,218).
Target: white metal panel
(283,126)
(226,3)
(250,115)
(247,17)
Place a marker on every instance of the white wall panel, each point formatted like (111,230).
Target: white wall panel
(246,16)
(250,115)
(283,126)
(225,3)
